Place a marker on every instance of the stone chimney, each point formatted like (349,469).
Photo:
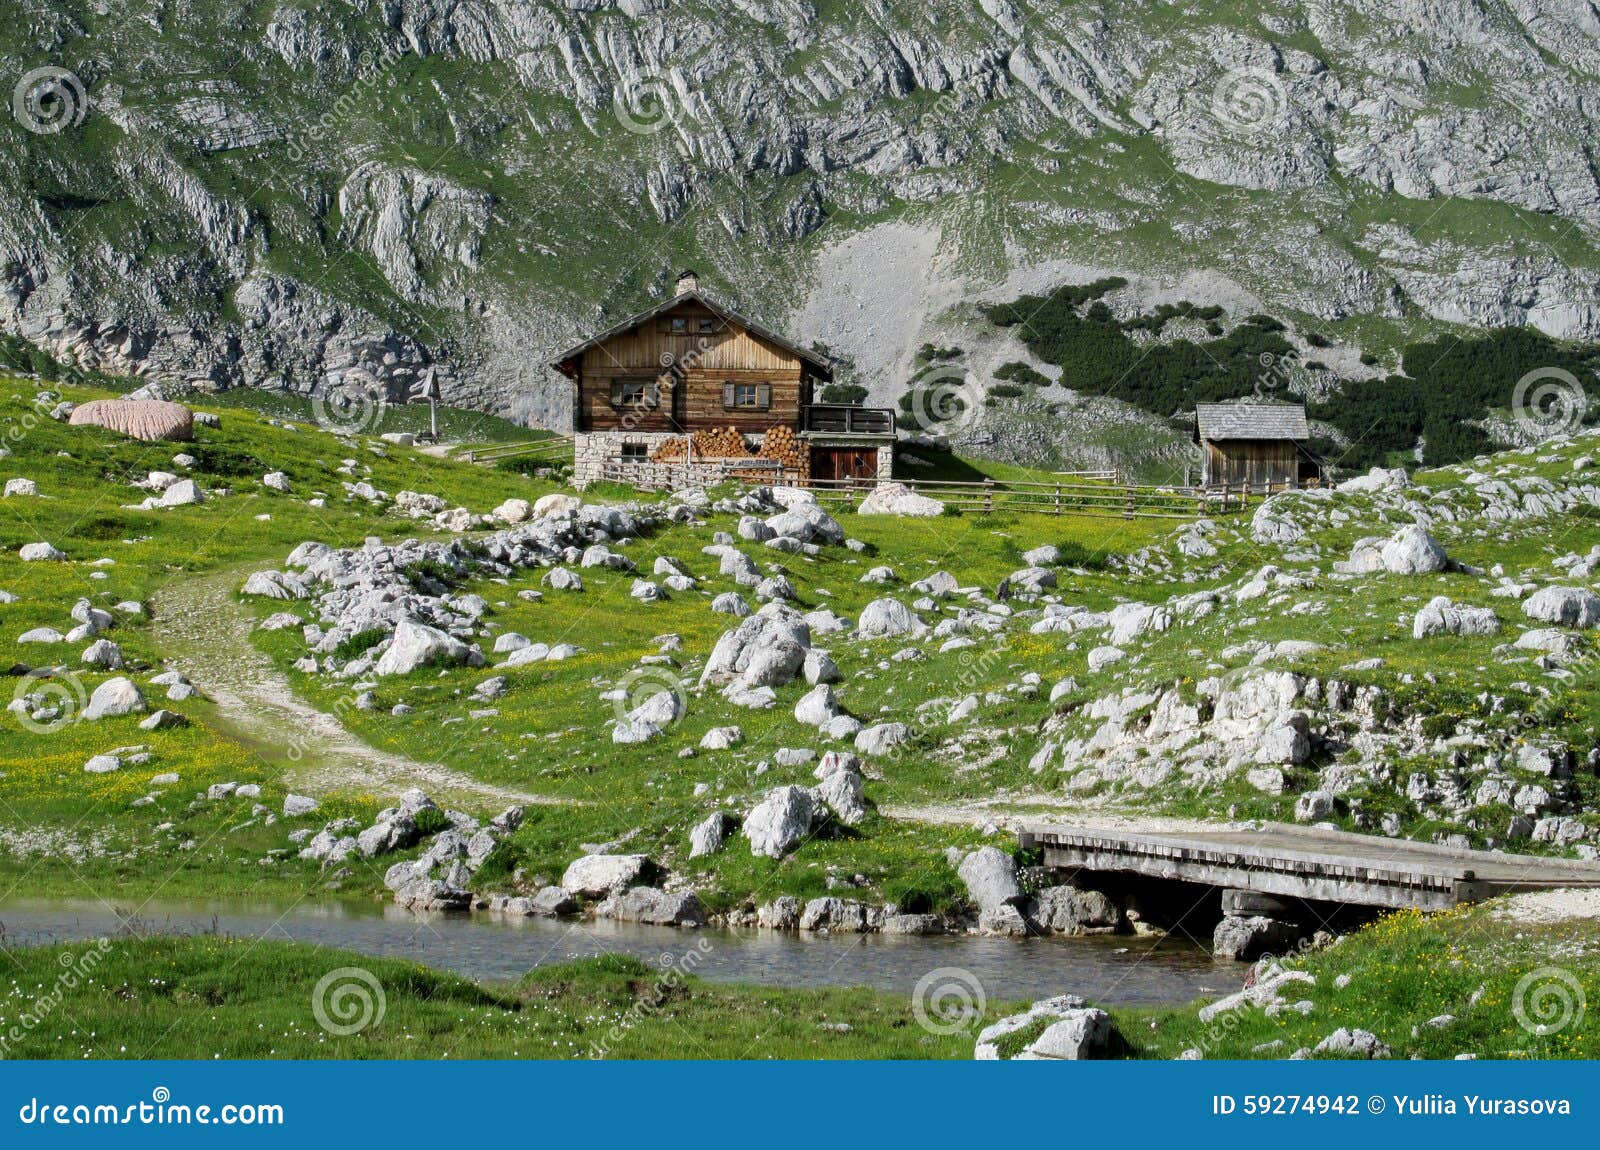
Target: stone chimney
(688,281)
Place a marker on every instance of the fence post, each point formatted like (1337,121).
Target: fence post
(1058,499)
(988,495)
(1129,513)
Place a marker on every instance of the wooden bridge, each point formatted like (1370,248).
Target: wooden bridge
(1310,864)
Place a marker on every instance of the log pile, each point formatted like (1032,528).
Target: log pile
(709,443)
(784,445)
(780,444)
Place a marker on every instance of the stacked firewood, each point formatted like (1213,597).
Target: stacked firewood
(783,445)
(709,443)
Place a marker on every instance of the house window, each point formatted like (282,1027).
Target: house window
(706,326)
(678,325)
(635,451)
(747,396)
(633,393)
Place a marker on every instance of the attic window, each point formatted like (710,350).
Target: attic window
(707,326)
(678,325)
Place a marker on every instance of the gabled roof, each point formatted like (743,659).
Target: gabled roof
(1218,421)
(824,366)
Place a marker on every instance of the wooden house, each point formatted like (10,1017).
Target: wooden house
(1259,445)
(693,385)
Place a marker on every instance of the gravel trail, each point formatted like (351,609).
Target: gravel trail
(205,634)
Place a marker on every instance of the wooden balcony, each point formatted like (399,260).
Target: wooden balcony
(847,419)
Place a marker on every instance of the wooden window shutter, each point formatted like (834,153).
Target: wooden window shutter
(763,396)
(727,396)
(616,393)
(652,393)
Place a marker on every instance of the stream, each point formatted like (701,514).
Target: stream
(1117,970)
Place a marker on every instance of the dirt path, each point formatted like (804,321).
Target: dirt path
(201,628)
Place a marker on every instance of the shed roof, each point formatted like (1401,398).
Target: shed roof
(1219,421)
(821,363)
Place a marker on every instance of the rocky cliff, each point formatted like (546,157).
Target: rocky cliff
(299,194)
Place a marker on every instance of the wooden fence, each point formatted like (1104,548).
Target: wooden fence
(1099,493)
(553,449)
(1088,493)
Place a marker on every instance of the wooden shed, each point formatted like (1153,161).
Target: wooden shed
(1255,445)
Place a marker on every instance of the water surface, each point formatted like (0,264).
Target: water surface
(1114,971)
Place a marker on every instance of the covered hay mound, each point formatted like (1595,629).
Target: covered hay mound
(137,418)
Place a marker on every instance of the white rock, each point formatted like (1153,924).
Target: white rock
(113,698)
(780,822)
(594,876)
(898,499)
(416,643)
(1568,606)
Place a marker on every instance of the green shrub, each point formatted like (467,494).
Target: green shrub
(1018,372)
(844,393)
(430,821)
(360,643)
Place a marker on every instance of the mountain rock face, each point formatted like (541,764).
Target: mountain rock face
(308,195)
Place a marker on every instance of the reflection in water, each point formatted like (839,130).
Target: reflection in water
(1126,971)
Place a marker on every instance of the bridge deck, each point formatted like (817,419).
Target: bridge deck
(1300,862)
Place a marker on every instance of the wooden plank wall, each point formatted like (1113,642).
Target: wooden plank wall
(1256,462)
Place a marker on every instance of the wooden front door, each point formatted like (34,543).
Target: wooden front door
(844,463)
